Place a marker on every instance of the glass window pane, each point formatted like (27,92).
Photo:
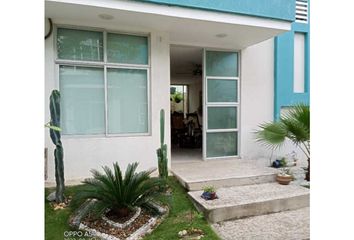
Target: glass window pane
(82,100)
(221,64)
(220,90)
(127,49)
(127,101)
(222,117)
(299,62)
(222,144)
(75,44)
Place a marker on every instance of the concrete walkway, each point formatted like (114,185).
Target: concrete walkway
(292,225)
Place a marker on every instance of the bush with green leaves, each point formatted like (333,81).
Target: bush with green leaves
(209,189)
(119,194)
(177,97)
(293,126)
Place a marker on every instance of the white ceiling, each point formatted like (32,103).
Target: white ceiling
(183,59)
(185,26)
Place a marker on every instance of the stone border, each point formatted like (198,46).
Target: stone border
(75,221)
(94,232)
(126,223)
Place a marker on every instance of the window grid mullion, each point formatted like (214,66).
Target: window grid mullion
(105,100)
(106,65)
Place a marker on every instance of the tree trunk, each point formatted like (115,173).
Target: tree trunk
(307,178)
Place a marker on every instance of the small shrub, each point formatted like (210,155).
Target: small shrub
(283,162)
(120,195)
(209,189)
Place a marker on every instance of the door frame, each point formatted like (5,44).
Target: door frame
(205,95)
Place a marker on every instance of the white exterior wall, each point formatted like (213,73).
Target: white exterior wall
(81,154)
(257,100)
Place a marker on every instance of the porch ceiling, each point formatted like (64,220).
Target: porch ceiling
(185,26)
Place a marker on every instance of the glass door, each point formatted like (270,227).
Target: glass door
(221,104)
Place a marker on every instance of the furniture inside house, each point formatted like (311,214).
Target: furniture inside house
(192,138)
(177,127)
(186,132)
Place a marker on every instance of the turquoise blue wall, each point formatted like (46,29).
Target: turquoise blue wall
(275,9)
(284,68)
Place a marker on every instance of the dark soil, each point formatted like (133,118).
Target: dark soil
(111,215)
(104,227)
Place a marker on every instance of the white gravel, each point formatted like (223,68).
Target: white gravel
(293,225)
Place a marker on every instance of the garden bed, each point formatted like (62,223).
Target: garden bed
(182,215)
(134,226)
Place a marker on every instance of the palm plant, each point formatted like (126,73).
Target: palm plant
(294,126)
(111,191)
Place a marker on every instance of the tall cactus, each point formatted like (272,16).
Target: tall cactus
(162,151)
(54,129)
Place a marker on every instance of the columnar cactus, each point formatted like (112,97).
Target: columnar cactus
(54,129)
(162,151)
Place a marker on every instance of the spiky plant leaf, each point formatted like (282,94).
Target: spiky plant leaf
(271,135)
(294,125)
(112,191)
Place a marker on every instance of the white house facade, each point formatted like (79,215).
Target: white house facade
(114,62)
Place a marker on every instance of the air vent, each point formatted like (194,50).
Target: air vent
(301,11)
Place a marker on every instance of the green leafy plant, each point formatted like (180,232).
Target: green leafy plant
(54,130)
(120,195)
(294,126)
(162,151)
(285,172)
(177,97)
(283,162)
(209,189)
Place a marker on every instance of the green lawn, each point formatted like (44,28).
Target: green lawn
(182,216)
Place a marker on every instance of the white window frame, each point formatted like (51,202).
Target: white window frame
(207,104)
(105,64)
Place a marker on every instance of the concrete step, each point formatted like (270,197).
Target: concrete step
(222,173)
(251,200)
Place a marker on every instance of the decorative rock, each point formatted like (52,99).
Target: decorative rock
(51,197)
(182,233)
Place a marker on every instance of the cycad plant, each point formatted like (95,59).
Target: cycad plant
(120,195)
(294,126)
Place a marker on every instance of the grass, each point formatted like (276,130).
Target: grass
(56,222)
(182,216)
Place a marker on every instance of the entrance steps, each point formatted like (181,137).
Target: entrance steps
(251,200)
(222,173)
(244,189)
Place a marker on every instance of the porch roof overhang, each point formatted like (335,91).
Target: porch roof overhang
(185,26)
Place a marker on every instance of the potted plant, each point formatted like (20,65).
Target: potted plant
(209,193)
(293,126)
(278,163)
(284,177)
(178,97)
